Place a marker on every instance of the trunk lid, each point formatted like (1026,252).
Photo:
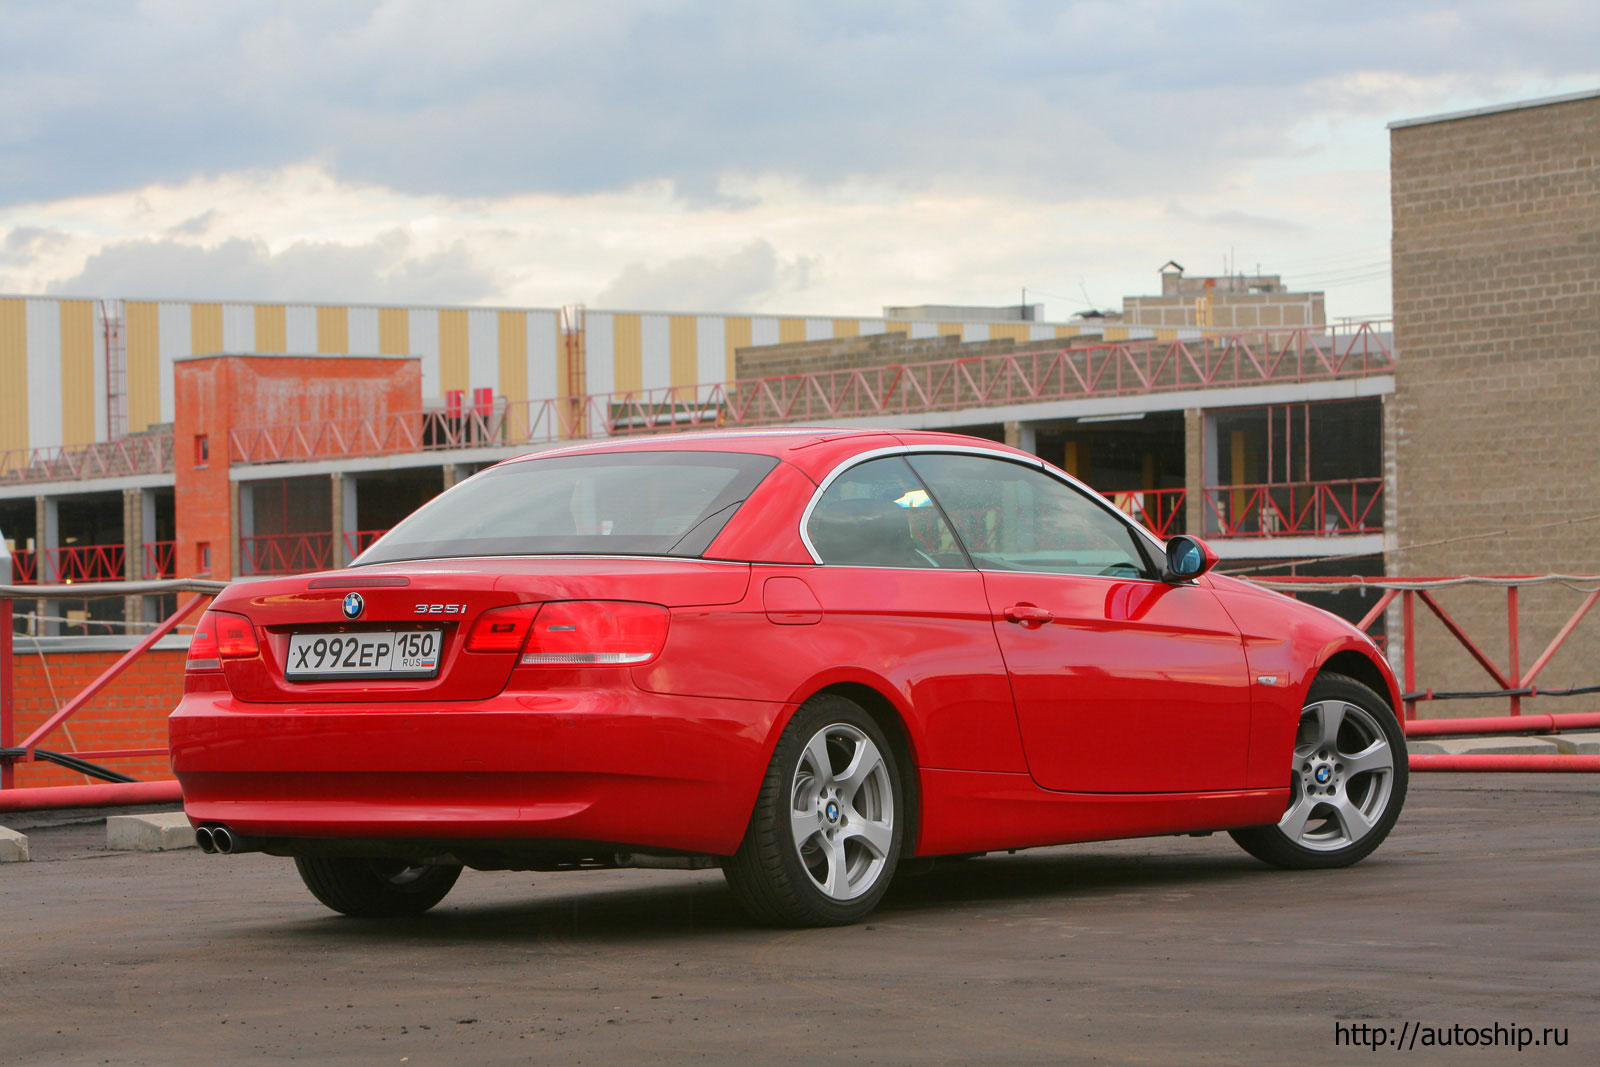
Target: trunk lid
(409,600)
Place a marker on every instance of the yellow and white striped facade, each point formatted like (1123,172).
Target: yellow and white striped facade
(53,367)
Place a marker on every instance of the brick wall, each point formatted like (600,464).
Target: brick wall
(129,713)
(1497,404)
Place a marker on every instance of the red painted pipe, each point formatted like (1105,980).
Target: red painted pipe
(1485,762)
(89,796)
(1503,724)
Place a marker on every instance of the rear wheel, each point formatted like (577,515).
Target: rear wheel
(1347,781)
(826,833)
(375,888)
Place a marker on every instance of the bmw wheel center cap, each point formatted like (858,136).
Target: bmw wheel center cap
(353,605)
(1323,774)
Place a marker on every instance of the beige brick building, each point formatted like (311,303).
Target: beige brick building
(1229,302)
(1497,400)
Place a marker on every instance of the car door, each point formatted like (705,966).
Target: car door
(1122,683)
(899,599)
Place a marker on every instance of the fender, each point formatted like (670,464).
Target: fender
(1286,643)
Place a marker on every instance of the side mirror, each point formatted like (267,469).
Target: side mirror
(1188,558)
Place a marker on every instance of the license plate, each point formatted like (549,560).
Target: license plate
(392,654)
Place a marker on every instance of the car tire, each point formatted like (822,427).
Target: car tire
(375,888)
(829,821)
(1347,781)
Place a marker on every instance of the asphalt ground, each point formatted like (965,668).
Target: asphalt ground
(1480,911)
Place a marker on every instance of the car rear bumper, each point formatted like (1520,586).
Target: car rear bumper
(614,765)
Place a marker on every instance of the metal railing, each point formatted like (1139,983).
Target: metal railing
(143,454)
(1159,510)
(160,559)
(72,563)
(291,553)
(30,748)
(1306,509)
(1002,379)
(358,541)
(1511,683)
(91,563)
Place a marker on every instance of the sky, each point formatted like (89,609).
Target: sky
(824,158)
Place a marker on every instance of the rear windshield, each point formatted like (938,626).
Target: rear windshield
(620,504)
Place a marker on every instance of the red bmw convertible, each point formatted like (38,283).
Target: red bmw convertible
(805,656)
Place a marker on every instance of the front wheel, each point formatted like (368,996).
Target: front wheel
(1347,781)
(826,833)
(375,888)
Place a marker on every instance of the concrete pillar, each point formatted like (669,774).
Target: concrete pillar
(345,517)
(150,612)
(133,542)
(1022,435)
(241,524)
(452,474)
(338,550)
(1194,471)
(133,534)
(352,508)
(47,539)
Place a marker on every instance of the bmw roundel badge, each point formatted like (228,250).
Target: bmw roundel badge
(353,605)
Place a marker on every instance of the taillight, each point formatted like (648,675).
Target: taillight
(221,635)
(502,629)
(599,632)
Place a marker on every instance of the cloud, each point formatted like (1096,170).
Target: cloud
(23,243)
(499,97)
(742,281)
(1237,223)
(193,227)
(382,270)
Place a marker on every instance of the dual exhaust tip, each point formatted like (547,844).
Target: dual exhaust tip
(217,839)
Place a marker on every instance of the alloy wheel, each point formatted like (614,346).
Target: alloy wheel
(841,811)
(1342,777)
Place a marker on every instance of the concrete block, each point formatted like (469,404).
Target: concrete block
(13,846)
(157,832)
(1424,748)
(1496,746)
(1579,743)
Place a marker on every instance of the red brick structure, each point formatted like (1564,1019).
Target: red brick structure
(129,713)
(218,394)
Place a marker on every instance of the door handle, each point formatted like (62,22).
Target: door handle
(1028,613)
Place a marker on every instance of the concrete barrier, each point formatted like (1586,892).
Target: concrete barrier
(159,832)
(13,846)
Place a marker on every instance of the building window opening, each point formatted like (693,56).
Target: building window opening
(1301,470)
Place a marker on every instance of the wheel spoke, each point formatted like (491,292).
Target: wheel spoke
(804,824)
(817,756)
(875,835)
(1375,757)
(1330,716)
(836,884)
(1351,819)
(863,763)
(1293,823)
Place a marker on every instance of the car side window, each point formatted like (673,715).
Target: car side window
(1017,518)
(878,514)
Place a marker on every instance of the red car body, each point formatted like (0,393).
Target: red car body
(1027,709)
